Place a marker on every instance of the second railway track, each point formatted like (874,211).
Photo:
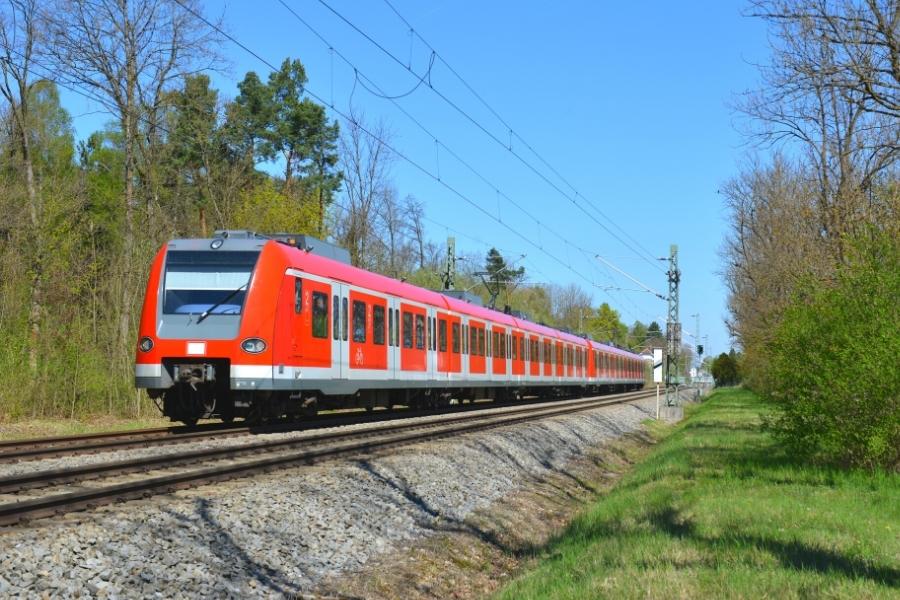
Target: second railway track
(292,451)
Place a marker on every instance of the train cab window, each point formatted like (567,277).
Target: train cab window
(390,327)
(378,325)
(454,338)
(420,332)
(197,281)
(298,296)
(359,322)
(407,329)
(442,335)
(344,322)
(320,315)
(335,317)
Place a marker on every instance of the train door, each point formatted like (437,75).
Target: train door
(443,344)
(393,337)
(498,342)
(339,330)
(476,348)
(412,338)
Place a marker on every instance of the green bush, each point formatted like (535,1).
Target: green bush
(835,362)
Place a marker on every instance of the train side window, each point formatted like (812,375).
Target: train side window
(320,315)
(454,338)
(442,335)
(407,329)
(473,340)
(420,332)
(515,350)
(359,322)
(522,348)
(335,317)
(378,325)
(344,322)
(396,326)
(390,327)
(433,333)
(298,296)
(465,339)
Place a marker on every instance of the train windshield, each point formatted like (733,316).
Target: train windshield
(199,281)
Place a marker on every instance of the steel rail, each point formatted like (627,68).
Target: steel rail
(42,448)
(14,512)
(37,479)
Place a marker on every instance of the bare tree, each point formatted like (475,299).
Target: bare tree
(127,53)
(19,36)
(415,214)
(365,162)
(811,96)
(864,38)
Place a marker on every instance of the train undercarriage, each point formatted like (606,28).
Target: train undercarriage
(202,391)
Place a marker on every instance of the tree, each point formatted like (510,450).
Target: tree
(193,144)
(862,39)
(18,33)
(571,307)
(127,53)
(280,122)
(724,369)
(605,325)
(365,162)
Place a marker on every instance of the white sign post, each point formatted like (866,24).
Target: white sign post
(657,374)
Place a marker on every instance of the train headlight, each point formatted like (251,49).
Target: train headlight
(253,345)
(146,344)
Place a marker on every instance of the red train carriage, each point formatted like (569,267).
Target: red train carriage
(250,326)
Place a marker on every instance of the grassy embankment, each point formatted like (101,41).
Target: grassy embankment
(719,510)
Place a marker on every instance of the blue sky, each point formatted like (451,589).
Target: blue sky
(627,101)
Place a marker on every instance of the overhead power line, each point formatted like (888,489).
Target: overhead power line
(360,77)
(353,121)
(646,255)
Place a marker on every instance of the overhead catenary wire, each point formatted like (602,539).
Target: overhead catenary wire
(646,255)
(512,131)
(360,76)
(417,165)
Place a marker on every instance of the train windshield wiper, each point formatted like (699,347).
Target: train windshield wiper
(209,310)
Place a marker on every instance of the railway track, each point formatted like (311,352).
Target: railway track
(241,461)
(52,447)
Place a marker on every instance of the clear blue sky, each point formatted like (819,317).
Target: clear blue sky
(627,101)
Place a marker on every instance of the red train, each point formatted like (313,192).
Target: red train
(244,325)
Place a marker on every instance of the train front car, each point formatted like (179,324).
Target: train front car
(204,345)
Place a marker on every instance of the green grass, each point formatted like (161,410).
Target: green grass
(34,428)
(718,509)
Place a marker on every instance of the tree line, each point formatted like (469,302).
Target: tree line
(810,260)
(177,158)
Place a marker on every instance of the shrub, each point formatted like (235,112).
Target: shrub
(835,362)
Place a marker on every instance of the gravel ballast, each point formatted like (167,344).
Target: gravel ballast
(280,534)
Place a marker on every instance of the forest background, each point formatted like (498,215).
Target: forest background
(82,221)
